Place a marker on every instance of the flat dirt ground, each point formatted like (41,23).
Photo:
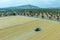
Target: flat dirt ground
(22,28)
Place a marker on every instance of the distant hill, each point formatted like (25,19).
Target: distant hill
(27,7)
(22,7)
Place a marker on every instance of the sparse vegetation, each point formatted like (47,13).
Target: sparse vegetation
(39,13)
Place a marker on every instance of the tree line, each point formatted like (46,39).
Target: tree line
(46,14)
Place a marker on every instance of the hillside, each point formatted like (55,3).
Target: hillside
(21,7)
(22,28)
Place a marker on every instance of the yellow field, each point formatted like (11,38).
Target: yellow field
(22,28)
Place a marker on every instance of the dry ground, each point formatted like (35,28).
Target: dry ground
(22,28)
